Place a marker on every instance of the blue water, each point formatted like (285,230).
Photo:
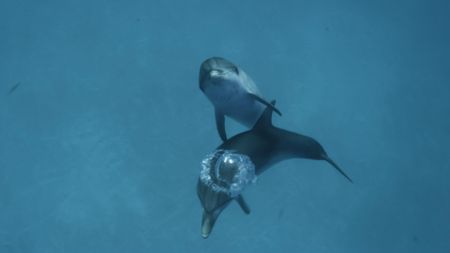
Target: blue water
(101,140)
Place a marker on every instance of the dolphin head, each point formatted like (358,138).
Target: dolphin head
(217,75)
(213,203)
(223,177)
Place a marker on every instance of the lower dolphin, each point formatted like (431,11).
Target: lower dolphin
(264,145)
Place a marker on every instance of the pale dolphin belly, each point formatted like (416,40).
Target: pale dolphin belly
(245,110)
(234,101)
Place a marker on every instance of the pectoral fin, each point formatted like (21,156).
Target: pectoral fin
(220,124)
(243,204)
(264,102)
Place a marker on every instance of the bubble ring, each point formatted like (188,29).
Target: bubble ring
(210,173)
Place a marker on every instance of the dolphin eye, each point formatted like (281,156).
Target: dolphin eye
(235,70)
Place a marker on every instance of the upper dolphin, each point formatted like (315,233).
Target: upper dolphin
(232,92)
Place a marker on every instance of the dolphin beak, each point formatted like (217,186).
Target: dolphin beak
(214,73)
(208,221)
(213,204)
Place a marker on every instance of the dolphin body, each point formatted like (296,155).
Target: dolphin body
(232,92)
(265,145)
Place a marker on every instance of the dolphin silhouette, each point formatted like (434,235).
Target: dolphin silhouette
(265,145)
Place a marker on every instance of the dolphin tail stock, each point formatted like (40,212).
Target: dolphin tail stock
(330,161)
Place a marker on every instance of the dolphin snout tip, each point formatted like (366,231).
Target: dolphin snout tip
(206,231)
(214,73)
(207,225)
(205,235)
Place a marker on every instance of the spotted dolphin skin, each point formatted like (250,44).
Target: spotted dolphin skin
(265,145)
(232,92)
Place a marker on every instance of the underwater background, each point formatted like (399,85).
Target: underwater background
(103,126)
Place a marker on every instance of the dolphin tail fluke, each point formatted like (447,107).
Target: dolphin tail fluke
(243,204)
(330,161)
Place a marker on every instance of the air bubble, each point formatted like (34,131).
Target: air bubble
(227,172)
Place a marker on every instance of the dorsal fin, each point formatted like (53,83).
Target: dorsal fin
(265,120)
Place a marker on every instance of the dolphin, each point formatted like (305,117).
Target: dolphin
(265,145)
(232,92)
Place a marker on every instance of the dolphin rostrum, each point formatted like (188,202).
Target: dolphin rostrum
(258,149)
